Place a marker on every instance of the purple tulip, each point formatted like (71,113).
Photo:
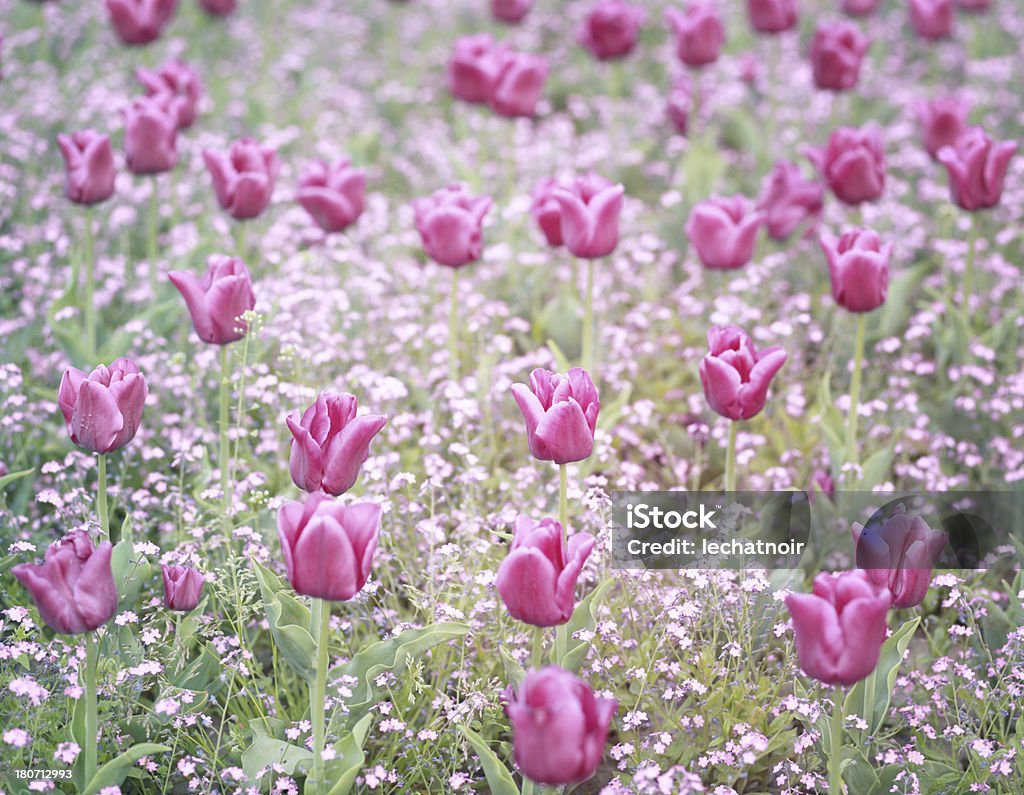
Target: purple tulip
(537,581)
(140,21)
(789,199)
(932,19)
(103,409)
(450,223)
(611,29)
(182,587)
(474,66)
(678,106)
(699,32)
(328,547)
(510,10)
(91,172)
(943,121)
(518,85)
(150,135)
(735,375)
(244,178)
(977,167)
(724,232)
(560,413)
(590,216)
(74,587)
(853,164)
(179,84)
(772,16)
(837,52)
(333,194)
(859,266)
(217,300)
(547,212)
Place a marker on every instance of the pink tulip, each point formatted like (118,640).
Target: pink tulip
(943,121)
(519,85)
(735,376)
(837,52)
(559,727)
(243,179)
(772,16)
(724,232)
(590,216)
(450,223)
(537,581)
(331,443)
(510,10)
(859,266)
(840,627)
(74,587)
(853,164)
(561,414)
(328,547)
(89,160)
(859,8)
(333,194)
(218,300)
(180,84)
(140,21)
(150,136)
(103,409)
(788,199)
(547,212)
(977,167)
(678,107)
(932,19)
(218,8)
(974,6)
(899,555)
(182,587)
(611,29)
(474,66)
(699,32)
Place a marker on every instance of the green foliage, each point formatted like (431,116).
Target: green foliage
(499,779)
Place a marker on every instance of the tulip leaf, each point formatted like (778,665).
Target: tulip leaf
(870,698)
(288,619)
(499,779)
(116,770)
(348,757)
(10,477)
(513,670)
(561,360)
(583,618)
(267,749)
(131,570)
(201,673)
(875,468)
(391,655)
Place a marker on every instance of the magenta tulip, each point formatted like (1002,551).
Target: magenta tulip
(735,375)
(772,16)
(140,21)
(590,216)
(333,194)
(537,581)
(244,178)
(218,300)
(853,164)
(547,212)
(837,52)
(328,547)
(840,627)
(74,587)
(89,160)
(859,266)
(788,200)
(932,19)
(519,84)
(510,10)
(331,443)
(611,29)
(678,106)
(977,167)
(559,727)
(474,66)
(899,555)
(150,135)
(182,587)
(450,223)
(724,232)
(943,121)
(180,84)
(218,8)
(859,8)
(103,409)
(560,413)
(699,32)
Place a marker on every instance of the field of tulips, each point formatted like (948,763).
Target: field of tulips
(335,335)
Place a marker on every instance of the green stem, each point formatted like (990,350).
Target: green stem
(240,240)
(858,362)
(695,105)
(91,656)
(90,286)
(730,458)
(587,354)
(154,218)
(320,619)
(528,788)
(225,481)
(869,701)
(835,757)
(561,631)
(453,328)
(968,287)
(537,655)
(101,497)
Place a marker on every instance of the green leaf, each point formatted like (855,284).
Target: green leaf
(499,779)
(115,771)
(131,571)
(561,360)
(289,621)
(874,470)
(875,705)
(266,749)
(202,673)
(10,477)
(349,758)
(514,672)
(583,618)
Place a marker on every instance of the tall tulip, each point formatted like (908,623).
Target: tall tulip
(140,21)
(333,194)
(943,121)
(560,413)
(183,586)
(611,29)
(788,199)
(724,231)
(243,177)
(510,10)
(853,164)
(518,85)
(699,32)
(150,136)
(180,84)
(837,52)
(474,66)
(772,16)
(547,212)
(932,19)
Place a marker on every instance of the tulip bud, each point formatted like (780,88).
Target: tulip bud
(735,375)
(977,167)
(518,85)
(140,21)
(678,106)
(333,194)
(546,212)
(90,166)
(899,554)
(218,8)
(74,587)
(590,216)
(537,581)
(331,443)
(699,32)
(103,410)
(328,547)
(560,413)
(244,178)
(150,135)
(943,121)
(724,232)
(840,627)
(450,224)
(853,164)
(837,52)
(182,587)
(510,10)
(932,19)
(559,727)
(474,66)
(218,300)
(179,85)
(772,16)
(788,199)
(611,29)
(859,267)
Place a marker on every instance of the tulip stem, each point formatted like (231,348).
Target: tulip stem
(528,788)
(858,362)
(968,286)
(561,636)
(587,354)
(90,287)
(89,751)
(835,757)
(537,656)
(317,692)
(453,328)
(240,240)
(225,481)
(730,458)
(154,216)
(101,497)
